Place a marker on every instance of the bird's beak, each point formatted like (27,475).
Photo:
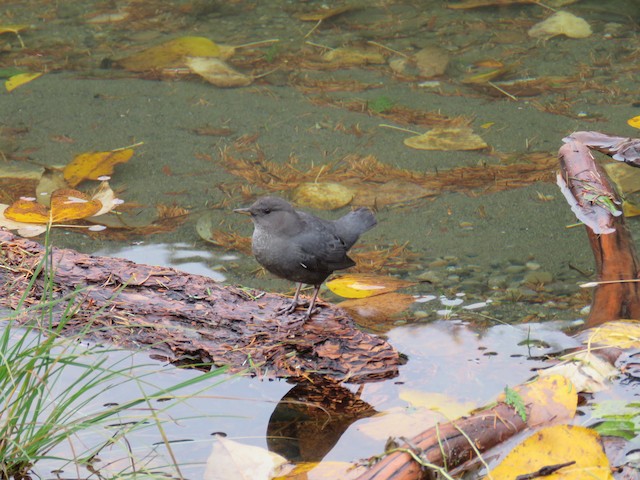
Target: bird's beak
(243,211)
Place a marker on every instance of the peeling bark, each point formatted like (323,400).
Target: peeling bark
(596,203)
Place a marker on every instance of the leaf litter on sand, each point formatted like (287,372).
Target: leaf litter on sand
(378,184)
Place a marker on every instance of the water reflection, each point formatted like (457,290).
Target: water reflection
(179,255)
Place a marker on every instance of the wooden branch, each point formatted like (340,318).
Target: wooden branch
(455,443)
(192,319)
(446,445)
(595,202)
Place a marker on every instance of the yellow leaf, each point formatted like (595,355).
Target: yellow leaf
(557,445)
(217,72)
(67,204)
(629,209)
(323,196)
(619,334)
(322,471)
(170,54)
(345,57)
(27,211)
(634,122)
(447,138)
(449,407)
(24,229)
(365,285)
(550,399)
(399,422)
(93,165)
(12,28)
(14,82)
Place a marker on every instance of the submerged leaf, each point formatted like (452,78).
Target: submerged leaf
(324,14)
(344,57)
(14,82)
(15,28)
(447,138)
(93,165)
(217,72)
(323,196)
(170,54)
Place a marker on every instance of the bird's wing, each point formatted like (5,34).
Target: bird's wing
(322,249)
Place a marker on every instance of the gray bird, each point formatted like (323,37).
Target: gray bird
(301,247)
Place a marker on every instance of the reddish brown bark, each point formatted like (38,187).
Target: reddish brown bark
(192,319)
(611,242)
(616,259)
(445,445)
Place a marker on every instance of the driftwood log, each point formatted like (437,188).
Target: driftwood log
(595,201)
(191,319)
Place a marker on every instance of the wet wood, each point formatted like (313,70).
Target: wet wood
(191,319)
(447,445)
(615,255)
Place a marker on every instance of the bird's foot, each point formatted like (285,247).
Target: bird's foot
(288,309)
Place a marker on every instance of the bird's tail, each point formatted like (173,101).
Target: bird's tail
(353,224)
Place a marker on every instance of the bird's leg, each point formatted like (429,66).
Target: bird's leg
(286,310)
(310,311)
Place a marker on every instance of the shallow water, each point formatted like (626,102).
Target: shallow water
(483,245)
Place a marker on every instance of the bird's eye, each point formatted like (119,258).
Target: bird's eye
(267,211)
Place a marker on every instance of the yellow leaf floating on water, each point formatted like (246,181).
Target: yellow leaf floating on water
(24,229)
(365,285)
(551,398)
(27,211)
(217,72)
(447,138)
(170,54)
(93,165)
(619,334)
(66,204)
(323,196)
(634,122)
(14,82)
(554,446)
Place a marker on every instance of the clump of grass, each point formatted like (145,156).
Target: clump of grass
(48,389)
(380,104)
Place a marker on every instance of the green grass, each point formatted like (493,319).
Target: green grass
(42,411)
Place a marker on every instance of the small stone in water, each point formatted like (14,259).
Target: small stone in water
(538,277)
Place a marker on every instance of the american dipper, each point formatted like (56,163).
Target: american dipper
(301,247)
